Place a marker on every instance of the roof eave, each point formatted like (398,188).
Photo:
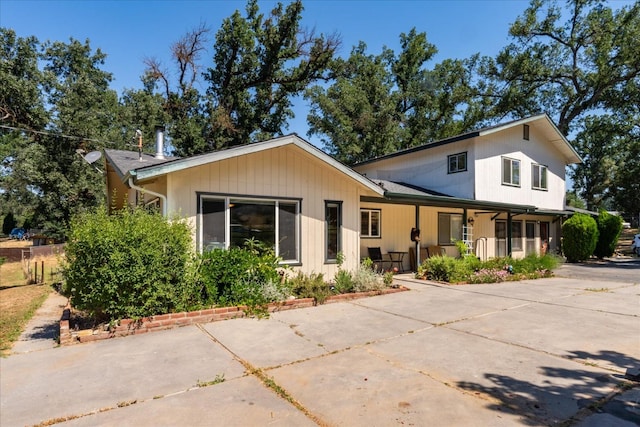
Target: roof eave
(459,202)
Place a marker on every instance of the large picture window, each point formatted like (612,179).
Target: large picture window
(449,228)
(369,222)
(510,171)
(539,177)
(333,224)
(457,162)
(229,221)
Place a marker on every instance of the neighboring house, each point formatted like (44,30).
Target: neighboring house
(501,189)
(284,192)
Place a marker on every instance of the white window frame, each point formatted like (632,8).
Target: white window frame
(457,158)
(543,183)
(369,223)
(512,162)
(228,205)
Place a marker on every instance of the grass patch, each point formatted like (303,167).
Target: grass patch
(19,300)
(597,289)
(17,305)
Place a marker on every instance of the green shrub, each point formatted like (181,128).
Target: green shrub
(131,264)
(235,276)
(343,282)
(580,235)
(365,279)
(310,286)
(471,270)
(609,229)
(444,268)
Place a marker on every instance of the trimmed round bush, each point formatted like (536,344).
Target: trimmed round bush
(579,237)
(609,229)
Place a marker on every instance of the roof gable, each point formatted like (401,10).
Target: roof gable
(125,164)
(547,127)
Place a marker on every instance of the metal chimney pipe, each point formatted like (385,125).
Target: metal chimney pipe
(159,142)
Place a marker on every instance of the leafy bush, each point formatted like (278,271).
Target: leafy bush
(238,276)
(310,286)
(580,236)
(444,268)
(471,270)
(609,229)
(132,263)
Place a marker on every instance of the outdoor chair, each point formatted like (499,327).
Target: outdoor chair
(375,254)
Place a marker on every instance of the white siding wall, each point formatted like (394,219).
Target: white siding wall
(428,169)
(490,150)
(281,172)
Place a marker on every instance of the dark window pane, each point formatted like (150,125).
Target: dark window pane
(213,229)
(364,223)
(252,220)
(375,223)
(288,238)
(333,231)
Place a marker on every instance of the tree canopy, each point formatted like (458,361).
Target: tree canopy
(577,61)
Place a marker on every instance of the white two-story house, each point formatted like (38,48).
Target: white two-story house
(501,189)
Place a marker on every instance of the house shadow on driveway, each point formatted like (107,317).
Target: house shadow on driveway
(568,396)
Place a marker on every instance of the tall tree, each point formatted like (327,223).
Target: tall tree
(183,104)
(356,116)
(568,61)
(43,172)
(22,106)
(261,63)
(383,103)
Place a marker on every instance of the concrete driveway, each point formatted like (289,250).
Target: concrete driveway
(544,352)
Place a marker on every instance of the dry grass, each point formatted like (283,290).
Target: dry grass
(18,298)
(17,305)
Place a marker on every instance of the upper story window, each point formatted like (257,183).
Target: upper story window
(525,132)
(539,177)
(510,171)
(457,162)
(369,222)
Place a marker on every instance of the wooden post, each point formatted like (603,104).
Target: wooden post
(41,271)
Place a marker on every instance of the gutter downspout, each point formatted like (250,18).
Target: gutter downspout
(153,193)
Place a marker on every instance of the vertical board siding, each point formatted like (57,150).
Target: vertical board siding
(284,172)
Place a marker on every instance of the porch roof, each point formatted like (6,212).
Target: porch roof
(402,193)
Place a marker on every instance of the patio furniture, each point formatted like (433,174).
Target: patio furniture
(375,254)
(397,259)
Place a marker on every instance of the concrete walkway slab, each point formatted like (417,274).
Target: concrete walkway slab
(265,342)
(362,389)
(76,380)
(43,330)
(338,326)
(438,304)
(537,385)
(238,402)
(587,335)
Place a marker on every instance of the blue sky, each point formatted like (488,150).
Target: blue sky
(129,31)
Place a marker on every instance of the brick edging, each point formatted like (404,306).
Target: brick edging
(161,322)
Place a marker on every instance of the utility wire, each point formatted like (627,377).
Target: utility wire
(41,132)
